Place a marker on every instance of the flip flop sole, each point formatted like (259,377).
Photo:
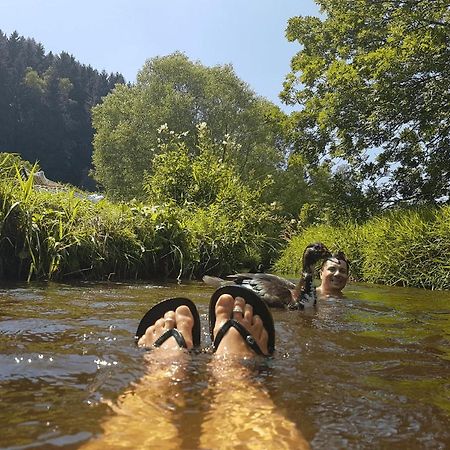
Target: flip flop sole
(250,297)
(170,304)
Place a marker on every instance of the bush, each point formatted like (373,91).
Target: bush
(59,235)
(404,247)
(55,235)
(345,238)
(393,248)
(226,220)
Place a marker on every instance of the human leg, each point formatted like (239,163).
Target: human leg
(242,412)
(145,416)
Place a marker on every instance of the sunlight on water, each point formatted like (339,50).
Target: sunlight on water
(369,371)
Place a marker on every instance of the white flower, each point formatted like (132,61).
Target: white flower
(163,127)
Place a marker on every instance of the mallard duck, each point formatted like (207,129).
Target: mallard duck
(277,291)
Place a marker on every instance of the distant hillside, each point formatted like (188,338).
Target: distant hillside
(45,104)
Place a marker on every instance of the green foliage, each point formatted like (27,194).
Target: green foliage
(197,178)
(10,163)
(45,103)
(406,248)
(58,235)
(374,75)
(52,235)
(403,247)
(346,238)
(182,94)
(46,235)
(320,195)
(227,221)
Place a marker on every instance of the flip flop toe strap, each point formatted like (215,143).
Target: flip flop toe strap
(248,338)
(173,332)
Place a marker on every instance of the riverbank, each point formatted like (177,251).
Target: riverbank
(60,235)
(402,248)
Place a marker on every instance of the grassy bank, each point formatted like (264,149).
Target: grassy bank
(405,248)
(58,235)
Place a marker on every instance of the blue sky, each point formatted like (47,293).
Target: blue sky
(119,36)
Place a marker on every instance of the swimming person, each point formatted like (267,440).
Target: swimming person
(241,411)
(334,275)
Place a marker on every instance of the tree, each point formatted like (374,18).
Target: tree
(45,103)
(175,91)
(373,76)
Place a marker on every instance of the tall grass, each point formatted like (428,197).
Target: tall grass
(58,235)
(345,238)
(404,247)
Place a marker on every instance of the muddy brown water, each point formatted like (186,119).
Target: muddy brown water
(369,371)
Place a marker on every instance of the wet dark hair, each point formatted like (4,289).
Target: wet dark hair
(340,256)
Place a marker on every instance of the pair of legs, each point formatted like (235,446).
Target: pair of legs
(241,413)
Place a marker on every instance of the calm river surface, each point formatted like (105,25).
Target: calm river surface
(371,371)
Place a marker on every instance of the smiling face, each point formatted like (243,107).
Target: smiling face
(334,276)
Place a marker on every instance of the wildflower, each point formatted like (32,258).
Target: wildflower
(162,128)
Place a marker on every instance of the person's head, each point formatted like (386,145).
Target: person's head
(334,274)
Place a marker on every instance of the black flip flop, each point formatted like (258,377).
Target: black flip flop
(158,311)
(259,308)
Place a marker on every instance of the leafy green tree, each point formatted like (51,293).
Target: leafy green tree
(321,194)
(373,77)
(45,103)
(175,91)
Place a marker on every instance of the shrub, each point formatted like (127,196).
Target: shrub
(345,238)
(58,235)
(226,220)
(407,247)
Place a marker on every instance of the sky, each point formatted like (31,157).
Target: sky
(119,36)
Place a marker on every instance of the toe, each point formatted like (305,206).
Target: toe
(169,320)
(183,317)
(185,323)
(224,307)
(257,326)
(248,314)
(159,325)
(147,337)
(260,333)
(158,330)
(238,308)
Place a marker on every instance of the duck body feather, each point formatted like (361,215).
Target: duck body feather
(278,292)
(275,291)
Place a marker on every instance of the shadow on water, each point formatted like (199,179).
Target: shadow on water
(368,371)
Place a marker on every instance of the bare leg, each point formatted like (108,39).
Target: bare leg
(242,412)
(143,418)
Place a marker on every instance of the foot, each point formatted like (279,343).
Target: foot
(181,319)
(233,343)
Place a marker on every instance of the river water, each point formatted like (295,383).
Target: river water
(371,371)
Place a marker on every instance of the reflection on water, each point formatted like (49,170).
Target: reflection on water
(370,371)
